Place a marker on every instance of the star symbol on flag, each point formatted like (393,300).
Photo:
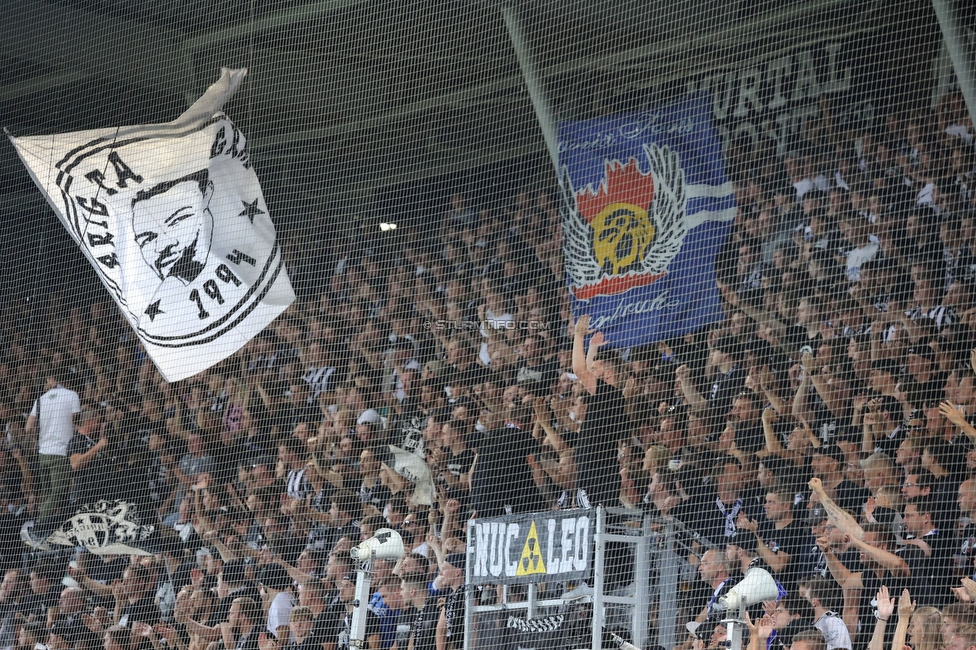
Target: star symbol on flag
(153,310)
(251,210)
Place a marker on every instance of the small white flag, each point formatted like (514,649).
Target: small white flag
(173,219)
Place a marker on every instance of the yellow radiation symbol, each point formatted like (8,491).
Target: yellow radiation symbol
(622,233)
(530,562)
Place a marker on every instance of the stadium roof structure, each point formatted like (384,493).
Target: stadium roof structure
(380,92)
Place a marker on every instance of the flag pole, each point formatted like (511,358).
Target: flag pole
(533,84)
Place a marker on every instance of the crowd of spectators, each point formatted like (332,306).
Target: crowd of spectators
(821,430)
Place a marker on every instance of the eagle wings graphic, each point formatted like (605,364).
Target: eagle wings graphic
(667,215)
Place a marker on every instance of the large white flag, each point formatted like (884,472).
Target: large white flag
(173,219)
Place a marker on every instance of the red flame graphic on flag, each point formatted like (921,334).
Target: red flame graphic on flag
(624,183)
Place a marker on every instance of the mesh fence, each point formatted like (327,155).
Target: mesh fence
(455,325)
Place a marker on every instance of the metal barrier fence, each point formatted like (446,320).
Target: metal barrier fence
(521,570)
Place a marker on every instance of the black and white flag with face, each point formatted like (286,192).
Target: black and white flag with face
(173,219)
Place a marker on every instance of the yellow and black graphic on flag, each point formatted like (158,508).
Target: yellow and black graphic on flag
(530,563)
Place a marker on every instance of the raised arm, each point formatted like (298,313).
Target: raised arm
(955,415)
(841,574)
(800,407)
(583,362)
(905,610)
(897,566)
(844,521)
(886,607)
(688,389)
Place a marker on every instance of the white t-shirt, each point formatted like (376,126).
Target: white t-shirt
(858,256)
(279,611)
(54,422)
(834,631)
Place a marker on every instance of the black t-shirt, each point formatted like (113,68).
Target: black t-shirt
(472,375)
(543,374)
(310,643)
(376,496)
(460,463)
(132,481)
(869,602)
(795,337)
(795,541)
(597,468)
(934,574)
(88,483)
(705,516)
(248,590)
(38,604)
(966,545)
(404,626)
(851,497)
(249,641)
(323,629)
(143,610)
(143,427)
(783,639)
(723,390)
(944,496)
(343,629)
(225,459)
(889,445)
(424,626)
(503,476)
(850,558)
(454,613)
(325,538)
(750,438)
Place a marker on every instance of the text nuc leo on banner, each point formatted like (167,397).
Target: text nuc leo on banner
(526,548)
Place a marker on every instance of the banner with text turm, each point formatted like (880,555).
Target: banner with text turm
(647,206)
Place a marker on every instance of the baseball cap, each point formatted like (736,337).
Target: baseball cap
(831,451)
(924,351)
(274,576)
(815,515)
(730,346)
(457,560)
(889,366)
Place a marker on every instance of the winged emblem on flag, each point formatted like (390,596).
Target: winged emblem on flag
(625,232)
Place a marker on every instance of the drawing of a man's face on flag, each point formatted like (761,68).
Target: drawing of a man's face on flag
(173,226)
(174,222)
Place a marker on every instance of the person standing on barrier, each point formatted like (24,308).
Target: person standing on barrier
(53,416)
(604,425)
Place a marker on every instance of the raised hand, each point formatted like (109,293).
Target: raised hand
(970,587)
(539,406)
(165,631)
(596,340)
(582,326)
(952,413)
(745,523)
(886,605)
(906,606)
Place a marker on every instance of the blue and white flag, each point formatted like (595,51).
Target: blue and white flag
(173,220)
(647,206)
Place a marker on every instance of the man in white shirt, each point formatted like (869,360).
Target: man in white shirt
(53,415)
